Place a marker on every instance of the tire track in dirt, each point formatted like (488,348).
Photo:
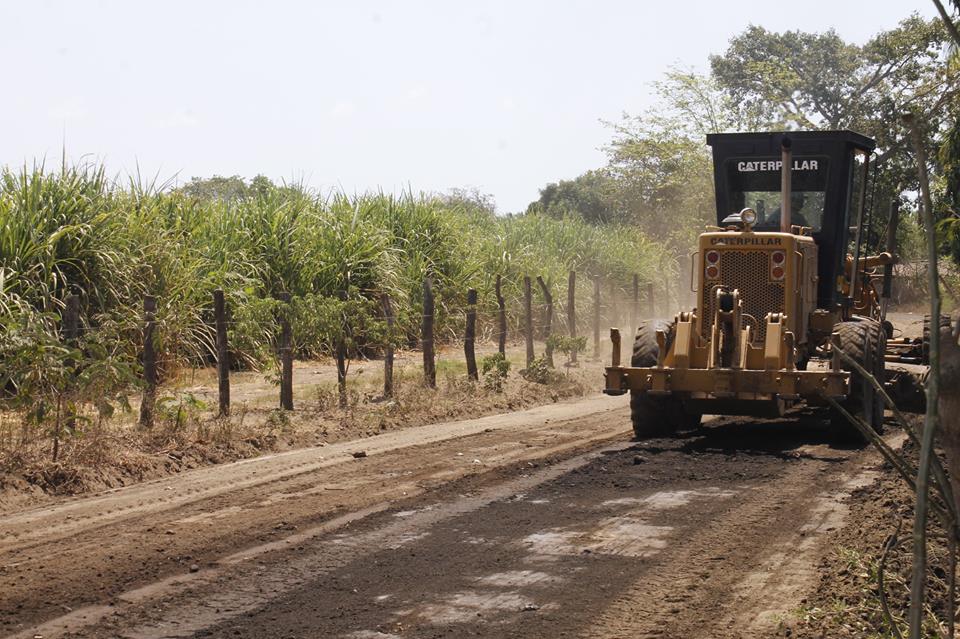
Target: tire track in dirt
(89,551)
(774,532)
(172,492)
(221,595)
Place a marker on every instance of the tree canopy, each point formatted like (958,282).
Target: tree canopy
(227,189)
(590,196)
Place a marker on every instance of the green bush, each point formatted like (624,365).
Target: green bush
(538,371)
(495,369)
(567,345)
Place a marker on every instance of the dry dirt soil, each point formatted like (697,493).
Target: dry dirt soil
(879,531)
(540,523)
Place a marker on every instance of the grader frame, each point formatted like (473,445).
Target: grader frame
(778,293)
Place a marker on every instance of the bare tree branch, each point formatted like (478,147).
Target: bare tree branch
(940,475)
(931,420)
(951,27)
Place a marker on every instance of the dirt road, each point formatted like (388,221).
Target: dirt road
(542,523)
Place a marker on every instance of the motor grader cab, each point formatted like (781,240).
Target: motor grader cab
(777,292)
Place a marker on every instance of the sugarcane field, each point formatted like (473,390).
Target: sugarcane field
(531,320)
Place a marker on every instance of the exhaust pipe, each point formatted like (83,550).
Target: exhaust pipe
(786,164)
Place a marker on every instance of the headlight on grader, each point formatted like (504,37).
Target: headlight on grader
(748,216)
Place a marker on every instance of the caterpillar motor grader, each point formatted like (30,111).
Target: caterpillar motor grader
(781,285)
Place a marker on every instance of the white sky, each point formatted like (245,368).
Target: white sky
(501,96)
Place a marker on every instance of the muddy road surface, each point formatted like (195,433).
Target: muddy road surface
(543,523)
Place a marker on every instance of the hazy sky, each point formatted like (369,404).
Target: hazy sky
(501,96)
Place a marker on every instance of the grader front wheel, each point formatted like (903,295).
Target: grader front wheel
(865,342)
(656,416)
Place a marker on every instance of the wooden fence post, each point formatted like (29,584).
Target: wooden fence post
(634,309)
(596,318)
(388,353)
(572,311)
(547,319)
(223,352)
(149,398)
(470,337)
(341,354)
(501,320)
(613,312)
(286,355)
(71,320)
(528,312)
(71,332)
(651,303)
(429,364)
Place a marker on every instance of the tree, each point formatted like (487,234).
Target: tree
(666,183)
(661,163)
(952,28)
(591,196)
(819,81)
(228,189)
(471,201)
(659,174)
(949,202)
(260,186)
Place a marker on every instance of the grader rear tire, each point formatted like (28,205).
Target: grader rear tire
(654,416)
(944,323)
(865,342)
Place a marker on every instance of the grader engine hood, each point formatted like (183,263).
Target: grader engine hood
(767,270)
(741,341)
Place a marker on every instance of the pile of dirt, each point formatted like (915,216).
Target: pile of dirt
(847,600)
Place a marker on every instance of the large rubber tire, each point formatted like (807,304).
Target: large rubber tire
(944,323)
(878,336)
(865,342)
(654,416)
(645,349)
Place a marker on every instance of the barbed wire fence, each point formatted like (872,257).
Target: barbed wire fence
(157,343)
(613,303)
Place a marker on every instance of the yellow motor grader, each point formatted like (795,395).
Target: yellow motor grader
(781,285)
